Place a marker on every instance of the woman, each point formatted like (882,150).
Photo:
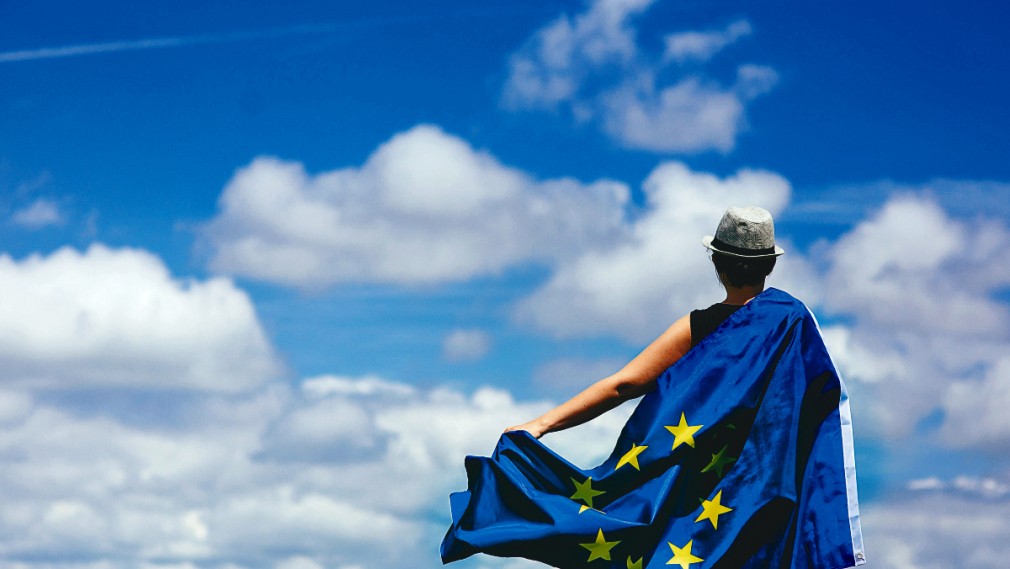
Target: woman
(744,252)
(739,455)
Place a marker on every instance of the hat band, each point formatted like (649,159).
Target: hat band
(721,245)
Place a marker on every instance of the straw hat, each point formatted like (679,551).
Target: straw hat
(745,232)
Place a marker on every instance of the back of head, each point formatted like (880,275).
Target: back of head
(743,248)
(742,271)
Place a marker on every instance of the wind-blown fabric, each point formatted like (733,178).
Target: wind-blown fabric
(741,457)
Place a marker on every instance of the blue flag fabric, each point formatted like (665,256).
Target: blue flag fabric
(741,457)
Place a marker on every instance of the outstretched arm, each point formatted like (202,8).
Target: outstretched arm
(637,378)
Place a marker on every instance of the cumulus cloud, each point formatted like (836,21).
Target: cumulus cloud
(690,115)
(592,65)
(425,208)
(926,331)
(466,345)
(894,267)
(687,116)
(225,489)
(117,318)
(636,287)
(100,488)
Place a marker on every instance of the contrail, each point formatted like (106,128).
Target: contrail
(178,41)
(92,48)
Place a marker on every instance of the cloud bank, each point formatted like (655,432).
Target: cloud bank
(353,472)
(336,472)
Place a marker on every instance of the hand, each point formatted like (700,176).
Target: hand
(533,427)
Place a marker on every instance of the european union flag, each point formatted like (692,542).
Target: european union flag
(741,457)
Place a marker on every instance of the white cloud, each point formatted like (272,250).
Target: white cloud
(754,80)
(108,317)
(424,208)
(702,46)
(299,562)
(570,375)
(937,530)
(987,488)
(466,345)
(925,332)
(592,65)
(211,493)
(324,428)
(14,406)
(893,268)
(859,359)
(636,287)
(921,484)
(976,410)
(326,385)
(40,213)
(552,66)
(687,116)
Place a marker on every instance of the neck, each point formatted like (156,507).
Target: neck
(742,294)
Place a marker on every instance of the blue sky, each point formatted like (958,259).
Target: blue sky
(263,262)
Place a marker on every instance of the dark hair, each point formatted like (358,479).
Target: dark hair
(742,271)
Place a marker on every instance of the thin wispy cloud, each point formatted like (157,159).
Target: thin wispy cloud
(59,52)
(90,49)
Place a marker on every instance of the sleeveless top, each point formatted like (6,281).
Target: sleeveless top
(706,320)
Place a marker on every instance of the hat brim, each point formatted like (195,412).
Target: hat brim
(707,242)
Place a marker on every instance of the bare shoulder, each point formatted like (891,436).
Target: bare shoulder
(662,353)
(677,337)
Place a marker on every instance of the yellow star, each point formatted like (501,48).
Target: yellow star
(683,433)
(631,457)
(719,460)
(584,507)
(712,509)
(682,556)
(634,564)
(585,491)
(600,549)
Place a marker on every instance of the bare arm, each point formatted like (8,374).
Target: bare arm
(637,378)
